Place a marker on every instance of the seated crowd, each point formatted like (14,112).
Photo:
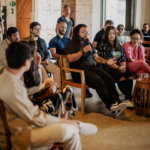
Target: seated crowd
(36,103)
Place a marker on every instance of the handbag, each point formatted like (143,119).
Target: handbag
(45,93)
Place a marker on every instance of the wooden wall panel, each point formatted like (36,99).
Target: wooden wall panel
(23,8)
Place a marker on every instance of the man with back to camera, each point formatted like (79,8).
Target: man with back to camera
(98,37)
(69,21)
(80,54)
(12,36)
(145,30)
(31,128)
(35,28)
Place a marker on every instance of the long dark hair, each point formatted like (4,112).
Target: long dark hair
(31,77)
(76,38)
(105,39)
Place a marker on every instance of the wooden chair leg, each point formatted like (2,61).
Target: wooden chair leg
(83,100)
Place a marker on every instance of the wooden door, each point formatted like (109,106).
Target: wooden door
(23,10)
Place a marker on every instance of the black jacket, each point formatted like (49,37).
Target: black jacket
(44,49)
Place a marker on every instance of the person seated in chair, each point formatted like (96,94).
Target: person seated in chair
(42,49)
(80,54)
(31,128)
(120,30)
(145,30)
(58,43)
(135,54)
(12,36)
(57,46)
(110,48)
(99,35)
(44,92)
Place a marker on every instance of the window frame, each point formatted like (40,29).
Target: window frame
(130,4)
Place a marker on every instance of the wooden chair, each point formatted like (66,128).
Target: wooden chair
(82,86)
(7,132)
(146,43)
(147,52)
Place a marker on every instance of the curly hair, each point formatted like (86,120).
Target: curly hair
(136,31)
(31,77)
(76,38)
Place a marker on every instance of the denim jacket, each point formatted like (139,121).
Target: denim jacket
(45,49)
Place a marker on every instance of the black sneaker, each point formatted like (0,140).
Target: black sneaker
(88,94)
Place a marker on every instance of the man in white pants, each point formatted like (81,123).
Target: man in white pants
(31,128)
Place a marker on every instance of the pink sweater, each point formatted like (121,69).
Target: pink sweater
(128,52)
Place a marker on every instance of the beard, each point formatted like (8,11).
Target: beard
(84,39)
(16,40)
(61,33)
(35,35)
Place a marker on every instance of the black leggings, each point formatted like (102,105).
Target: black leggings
(100,80)
(124,86)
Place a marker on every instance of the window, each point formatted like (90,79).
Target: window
(46,13)
(116,11)
(120,11)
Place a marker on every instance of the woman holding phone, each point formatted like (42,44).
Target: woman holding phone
(110,48)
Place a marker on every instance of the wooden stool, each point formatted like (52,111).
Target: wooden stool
(142,97)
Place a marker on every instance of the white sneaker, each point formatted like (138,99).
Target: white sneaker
(116,113)
(87,128)
(120,106)
(129,103)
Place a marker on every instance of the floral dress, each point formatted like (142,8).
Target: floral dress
(63,100)
(105,53)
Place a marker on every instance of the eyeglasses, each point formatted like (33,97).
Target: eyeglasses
(85,32)
(135,38)
(120,28)
(37,29)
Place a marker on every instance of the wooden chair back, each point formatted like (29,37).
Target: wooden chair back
(146,43)
(7,133)
(147,52)
(82,86)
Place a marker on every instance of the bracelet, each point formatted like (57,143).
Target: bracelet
(82,51)
(118,68)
